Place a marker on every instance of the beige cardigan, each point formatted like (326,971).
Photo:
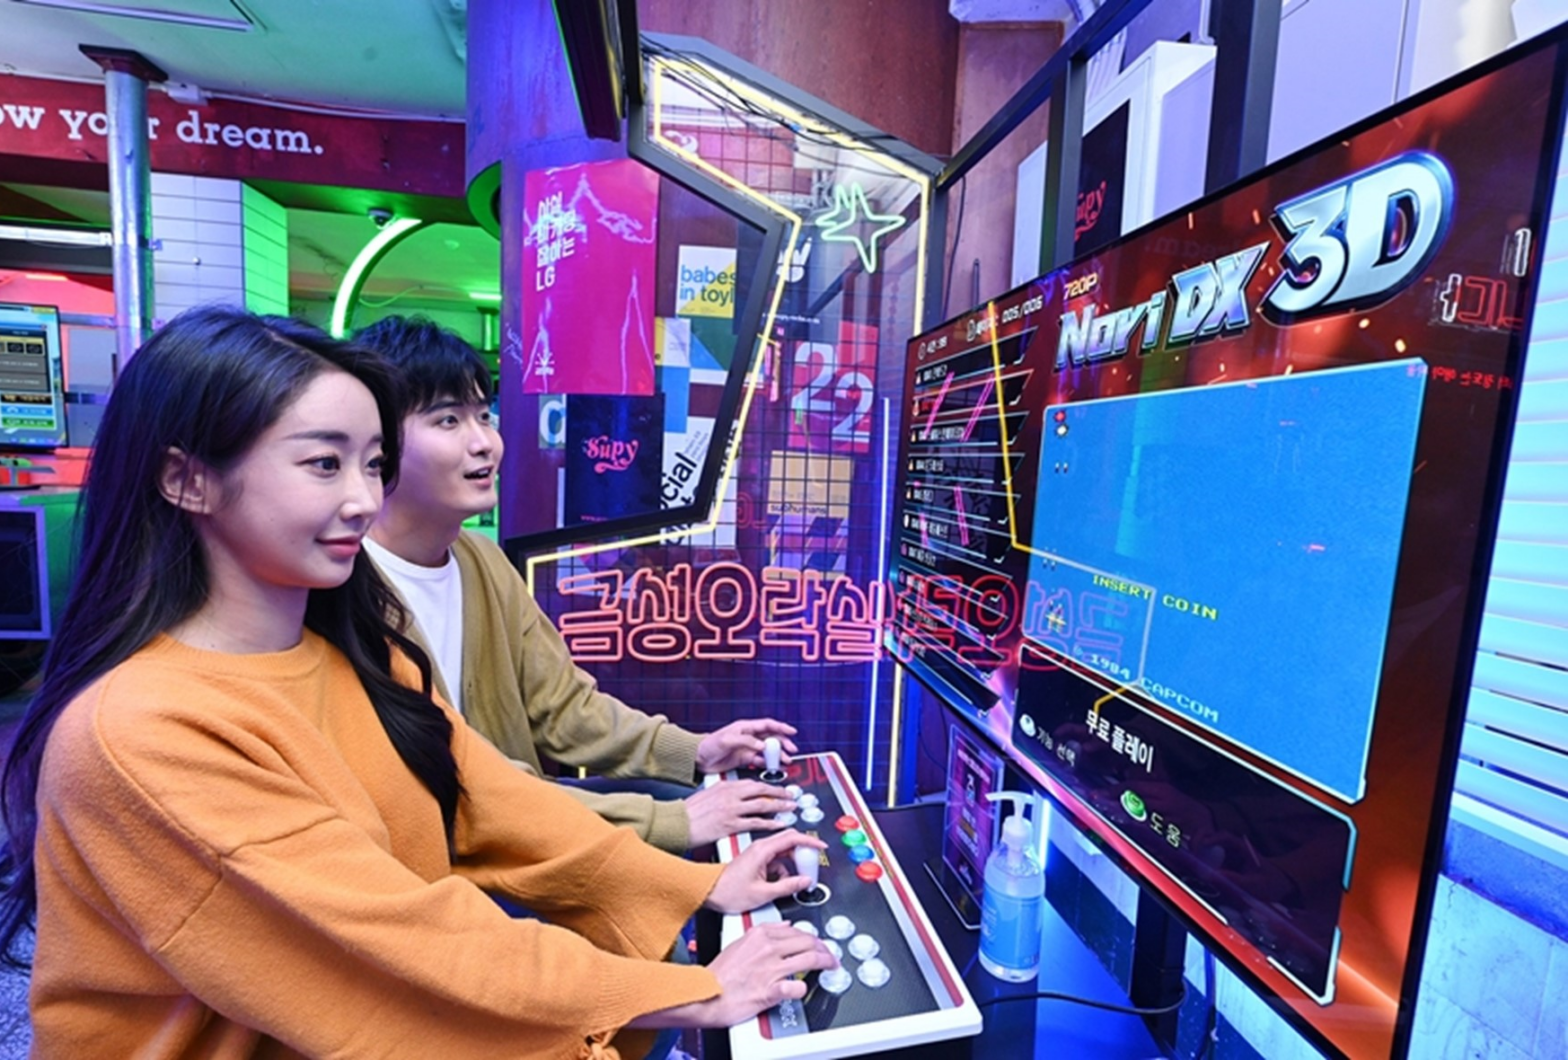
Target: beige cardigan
(523,692)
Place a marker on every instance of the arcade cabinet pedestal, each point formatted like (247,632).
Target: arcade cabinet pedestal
(1013,1030)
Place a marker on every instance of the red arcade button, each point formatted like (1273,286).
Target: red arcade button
(846,823)
(869,871)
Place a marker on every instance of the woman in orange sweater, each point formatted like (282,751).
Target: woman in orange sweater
(243,824)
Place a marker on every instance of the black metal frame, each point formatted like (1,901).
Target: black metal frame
(774,230)
(747,345)
(1246,33)
(596,51)
(800,100)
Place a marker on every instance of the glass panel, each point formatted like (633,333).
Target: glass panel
(775,605)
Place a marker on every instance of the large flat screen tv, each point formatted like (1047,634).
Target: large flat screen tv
(1197,529)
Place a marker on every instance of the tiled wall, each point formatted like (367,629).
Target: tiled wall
(266,241)
(216,241)
(199,256)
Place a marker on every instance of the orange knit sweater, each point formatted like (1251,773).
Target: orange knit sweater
(234,862)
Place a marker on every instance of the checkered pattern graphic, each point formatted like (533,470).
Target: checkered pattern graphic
(817,546)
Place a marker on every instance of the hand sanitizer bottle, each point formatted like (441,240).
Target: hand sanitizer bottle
(1014,896)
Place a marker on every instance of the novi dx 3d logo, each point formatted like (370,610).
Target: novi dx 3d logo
(1361,240)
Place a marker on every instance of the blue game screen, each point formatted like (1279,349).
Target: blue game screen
(1230,552)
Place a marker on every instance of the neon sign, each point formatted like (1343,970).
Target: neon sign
(850,210)
(725,611)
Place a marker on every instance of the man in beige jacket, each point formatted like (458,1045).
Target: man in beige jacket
(498,658)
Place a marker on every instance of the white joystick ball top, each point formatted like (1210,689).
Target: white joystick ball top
(771,750)
(808,863)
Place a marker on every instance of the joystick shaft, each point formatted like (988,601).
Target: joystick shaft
(808,863)
(772,760)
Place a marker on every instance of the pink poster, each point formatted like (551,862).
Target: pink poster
(588,268)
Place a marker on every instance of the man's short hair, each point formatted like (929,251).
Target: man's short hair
(434,362)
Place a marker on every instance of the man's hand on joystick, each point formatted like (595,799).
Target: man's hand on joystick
(732,806)
(744,884)
(772,760)
(739,745)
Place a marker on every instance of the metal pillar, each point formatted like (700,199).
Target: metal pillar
(1246,33)
(126,74)
(1064,144)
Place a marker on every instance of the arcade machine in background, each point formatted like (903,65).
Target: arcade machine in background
(36,514)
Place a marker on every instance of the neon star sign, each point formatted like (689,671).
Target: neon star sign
(851,213)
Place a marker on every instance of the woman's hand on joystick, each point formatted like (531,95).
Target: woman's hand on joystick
(744,885)
(808,865)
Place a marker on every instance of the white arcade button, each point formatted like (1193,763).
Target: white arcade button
(805,799)
(874,973)
(864,947)
(836,980)
(811,815)
(805,927)
(793,791)
(840,927)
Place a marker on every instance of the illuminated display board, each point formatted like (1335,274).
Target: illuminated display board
(1195,529)
(32,390)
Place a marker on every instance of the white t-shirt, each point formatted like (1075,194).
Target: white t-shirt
(435,596)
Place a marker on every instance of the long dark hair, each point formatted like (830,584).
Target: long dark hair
(208,384)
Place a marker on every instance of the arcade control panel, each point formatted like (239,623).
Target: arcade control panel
(896,985)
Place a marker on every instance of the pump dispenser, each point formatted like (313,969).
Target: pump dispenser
(1014,896)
